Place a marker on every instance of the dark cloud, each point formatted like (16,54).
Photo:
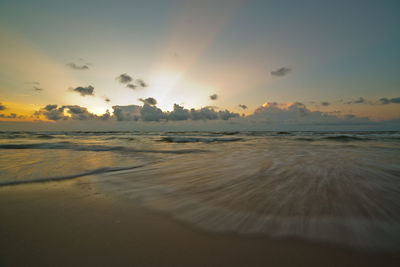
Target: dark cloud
(35,86)
(52,112)
(214,97)
(242,106)
(151,113)
(269,116)
(77,66)
(2,107)
(130,82)
(106,116)
(150,101)
(127,113)
(226,115)
(210,114)
(141,83)
(298,114)
(179,113)
(281,71)
(84,91)
(12,116)
(79,113)
(385,101)
(124,78)
(203,114)
(131,86)
(325,104)
(361,100)
(300,108)
(55,113)
(50,107)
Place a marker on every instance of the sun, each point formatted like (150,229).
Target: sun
(165,79)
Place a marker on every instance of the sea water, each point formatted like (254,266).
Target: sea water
(336,187)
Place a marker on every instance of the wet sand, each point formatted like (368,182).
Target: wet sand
(72,224)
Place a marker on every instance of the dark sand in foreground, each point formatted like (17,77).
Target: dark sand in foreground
(70,224)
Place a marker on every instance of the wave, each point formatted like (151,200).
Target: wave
(45,136)
(324,193)
(97,148)
(171,139)
(338,138)
(346,138)
(69,177)
(120,138)
(305,139)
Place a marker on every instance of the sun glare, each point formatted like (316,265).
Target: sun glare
(165,79)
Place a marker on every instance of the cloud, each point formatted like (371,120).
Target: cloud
(52,112)
(179,113)
(242,106)
(270,116)
(141,83)
(385,101)
(151,113)
(130,82)
(281,71)
(35,86)
(77,67)
(131,86)
(214,97)
(50,107)
(127,113)
(84,91)
(124,78)
(79,113)
(208,113)
(325,104)
(150,101)
(298,115)
(12,116)
(361,100)
(138,83)
(226,115)
(55,113)
(147,112)
(2,107)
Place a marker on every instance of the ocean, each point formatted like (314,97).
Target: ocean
(339,188)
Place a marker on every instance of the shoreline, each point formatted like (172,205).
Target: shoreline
(70,223)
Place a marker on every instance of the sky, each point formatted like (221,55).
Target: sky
(252,63)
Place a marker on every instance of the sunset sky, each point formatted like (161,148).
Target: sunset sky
(336,59)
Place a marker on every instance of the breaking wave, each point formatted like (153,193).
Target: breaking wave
(346,195)
(98,148)
(173,139)
(69,177)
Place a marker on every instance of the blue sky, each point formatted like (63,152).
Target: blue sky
(336,51)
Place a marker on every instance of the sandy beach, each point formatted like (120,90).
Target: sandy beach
(72,224)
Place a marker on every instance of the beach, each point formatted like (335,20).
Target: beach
(72,224)
(199,199)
